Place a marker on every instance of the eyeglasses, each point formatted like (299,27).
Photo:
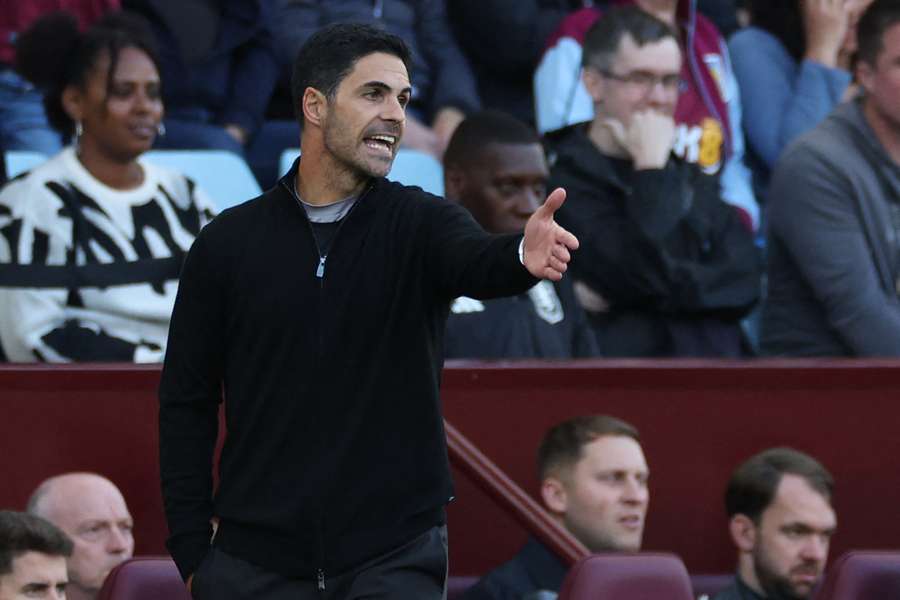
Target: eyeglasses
(644,81)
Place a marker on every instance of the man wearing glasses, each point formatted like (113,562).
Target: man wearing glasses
(666,268)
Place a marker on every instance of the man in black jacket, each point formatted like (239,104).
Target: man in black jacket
(318,309)
(781,521)
(495,167)
(667,268)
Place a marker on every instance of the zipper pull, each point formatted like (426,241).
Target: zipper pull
(320,270)
(320,574)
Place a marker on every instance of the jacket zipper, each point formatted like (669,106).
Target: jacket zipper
(320,275)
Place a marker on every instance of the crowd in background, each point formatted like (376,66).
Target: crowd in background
(731,167)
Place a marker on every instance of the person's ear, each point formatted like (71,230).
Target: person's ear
(743,532)
(594,83)
(554,495)
(315,106)
(73,102)
(865,75)
(454,183)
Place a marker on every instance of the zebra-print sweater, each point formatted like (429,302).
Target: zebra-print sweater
(88,272)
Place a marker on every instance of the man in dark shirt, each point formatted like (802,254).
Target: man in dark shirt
(594,481)
(317,310)
(781,520)
(495,167)
(667,267)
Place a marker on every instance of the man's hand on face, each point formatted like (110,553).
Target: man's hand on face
(648,139)
(547,245)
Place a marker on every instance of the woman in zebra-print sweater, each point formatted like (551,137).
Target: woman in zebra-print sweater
(91,241)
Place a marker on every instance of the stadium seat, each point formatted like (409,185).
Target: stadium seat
(457,585)
(709,585)
(224,176)
(20,161)
(411,167)
(641,576)
(144,578)
(863,575)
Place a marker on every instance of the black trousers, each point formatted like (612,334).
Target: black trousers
(417,569)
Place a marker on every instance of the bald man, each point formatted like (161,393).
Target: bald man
(90,509)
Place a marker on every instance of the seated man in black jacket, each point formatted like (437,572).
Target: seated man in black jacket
(781,521)
(666,267)
(594,480)
(495,167)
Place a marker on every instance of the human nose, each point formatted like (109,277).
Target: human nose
(635,491)
(394,110)
(815,548)
(118,541)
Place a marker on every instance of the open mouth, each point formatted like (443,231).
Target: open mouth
(382,143)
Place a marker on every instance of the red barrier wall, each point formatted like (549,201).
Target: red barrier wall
(697,420)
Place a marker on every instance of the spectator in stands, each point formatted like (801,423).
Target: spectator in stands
(90,509)
(220,68)
(708,108)
(594,481)
(444,87)
(23,123)
(33,556)
(97,235)
(835,220)
(792,66)
(503,43)
(665,267)
(495,167)
(781,520)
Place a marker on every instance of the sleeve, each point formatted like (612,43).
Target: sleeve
(736,178)
(560,97)
(294,23)
(814,216)
(468,261)
(454,84)
(627,255)
(525,26)
(36,323)
(781,101)
(254,73)
(190,392)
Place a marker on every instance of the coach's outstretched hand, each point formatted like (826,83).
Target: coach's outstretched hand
(547,244)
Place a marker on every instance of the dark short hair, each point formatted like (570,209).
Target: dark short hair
(880,16)
(21,533)
(562,444)
(330,54)
(483,128)
(603,39)
(753,485)
(53,54)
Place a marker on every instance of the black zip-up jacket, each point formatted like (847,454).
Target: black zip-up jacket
(672,259)
(335,451)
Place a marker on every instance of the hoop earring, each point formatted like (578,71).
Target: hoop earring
(161,129)
(79,130)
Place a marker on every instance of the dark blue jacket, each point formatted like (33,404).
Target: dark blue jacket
(533,569)
(234,80)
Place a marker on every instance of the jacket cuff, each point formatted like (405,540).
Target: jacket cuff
(188,552)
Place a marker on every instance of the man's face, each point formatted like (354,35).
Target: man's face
(93,513)
(35,575)
(881,81)
(607,496)
(792,540)
(366,118)
(640,78)
(505,186)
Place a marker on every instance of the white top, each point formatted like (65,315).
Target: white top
(157,220)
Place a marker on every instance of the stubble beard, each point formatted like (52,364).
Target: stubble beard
(341,145)
(776,587)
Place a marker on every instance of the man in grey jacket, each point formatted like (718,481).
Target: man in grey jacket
(834,262)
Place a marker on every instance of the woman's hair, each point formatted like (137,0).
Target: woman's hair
(783,19)
(53,54)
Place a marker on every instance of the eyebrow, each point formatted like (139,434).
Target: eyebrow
(383,86)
